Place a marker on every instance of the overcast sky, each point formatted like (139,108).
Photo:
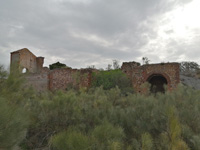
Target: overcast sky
(82,33)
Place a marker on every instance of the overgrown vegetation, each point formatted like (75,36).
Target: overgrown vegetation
(190,69)
(14,120)
(102,118)
(57,65)
(112,78)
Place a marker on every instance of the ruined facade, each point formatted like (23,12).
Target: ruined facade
(27,60)
(41,78)
(156,74)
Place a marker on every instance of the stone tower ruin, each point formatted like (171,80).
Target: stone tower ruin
(26,60)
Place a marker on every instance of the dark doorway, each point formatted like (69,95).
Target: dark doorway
(157,83)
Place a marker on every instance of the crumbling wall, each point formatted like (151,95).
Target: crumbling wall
(64,78)
(25,59)
(140,74)
(39,81)
(43,79)
(28,61)
(14,58)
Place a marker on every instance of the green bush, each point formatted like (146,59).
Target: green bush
(107,135)
(112,78)
(98,119)
(57,65)
(112,120)
(147,142)
(71,140)
(13,124)
(13,115)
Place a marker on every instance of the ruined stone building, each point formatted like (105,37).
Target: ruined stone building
(27,60)
(155,74)
(41,78)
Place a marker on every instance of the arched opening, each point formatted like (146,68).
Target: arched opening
(24,70)
(157,82)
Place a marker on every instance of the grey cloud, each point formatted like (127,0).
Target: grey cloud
(48,26)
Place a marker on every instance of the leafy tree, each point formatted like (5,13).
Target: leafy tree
(145,60)
(109,67)
(189,68)
(91,67)
(116,64)
(57,65)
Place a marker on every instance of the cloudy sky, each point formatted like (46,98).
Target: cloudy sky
(82,33)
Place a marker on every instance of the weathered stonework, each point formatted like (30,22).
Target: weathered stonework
(141,74)
(65,77)
(41,78)
(27,60)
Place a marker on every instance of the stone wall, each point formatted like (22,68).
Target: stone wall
(23,58)
(140,74)
(64,78)
(39,81)
(41,78)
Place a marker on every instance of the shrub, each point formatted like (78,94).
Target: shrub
(112,78)
(13,125)
(98,119)
(57,65)
(107,135)
(71,140)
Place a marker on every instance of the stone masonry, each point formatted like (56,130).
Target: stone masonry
(41,78)
(27,60)
(169,72)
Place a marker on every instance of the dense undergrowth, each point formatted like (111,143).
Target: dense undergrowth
(97,119)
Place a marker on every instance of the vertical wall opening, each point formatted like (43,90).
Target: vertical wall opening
(157,83)
(24,70)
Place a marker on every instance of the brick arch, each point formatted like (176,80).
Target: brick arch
(159,74)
